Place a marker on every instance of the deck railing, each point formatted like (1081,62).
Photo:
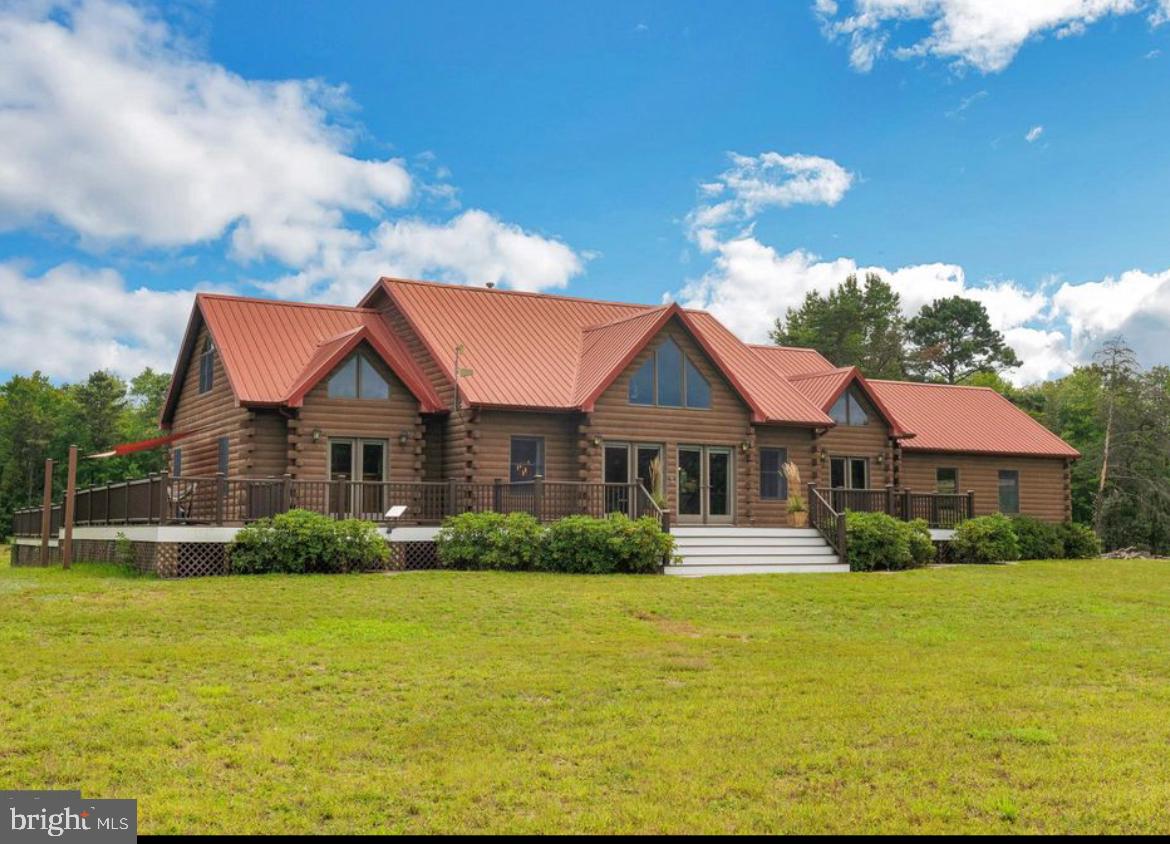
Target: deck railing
(222,500)
(939,509)
(827,520)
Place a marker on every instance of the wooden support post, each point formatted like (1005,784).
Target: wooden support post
(538,497)
(70,508)
(808,503)
(46,511)
(286,493)
(451,489)
(890,504)
(906,514)
(970,504)
(164,497)
(498,494)
(220,496)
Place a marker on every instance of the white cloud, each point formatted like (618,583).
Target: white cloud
(754,183)
(111,128)
(984,34)
(1034,134)
(474,247)
(114,129)
(749,284)
(72,320)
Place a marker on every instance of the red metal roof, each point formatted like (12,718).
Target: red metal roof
(559,352)
(539,351)
(273,352)
(967,419)
(778,400)
(791,360)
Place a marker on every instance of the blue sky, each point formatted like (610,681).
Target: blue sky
(300,149)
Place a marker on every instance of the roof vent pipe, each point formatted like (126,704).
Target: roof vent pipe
(491,285)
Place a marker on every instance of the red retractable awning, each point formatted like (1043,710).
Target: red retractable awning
(141,445)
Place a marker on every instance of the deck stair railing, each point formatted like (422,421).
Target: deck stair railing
(828,521)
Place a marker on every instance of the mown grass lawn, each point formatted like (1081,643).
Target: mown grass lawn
(1033,697)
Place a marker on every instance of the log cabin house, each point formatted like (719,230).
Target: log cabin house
(440,398)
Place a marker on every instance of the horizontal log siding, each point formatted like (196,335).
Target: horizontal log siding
(266,444)
(492,443)
(727,422)
(1044,491)
(800,444)
(414,344)
(433,448)
(214,414)
(372,419)
(871,440)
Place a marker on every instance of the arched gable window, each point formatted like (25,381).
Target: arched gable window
(669,378)
(207,366)
(358,378)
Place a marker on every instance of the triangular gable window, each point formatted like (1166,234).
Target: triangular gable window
(358,378)
(849,410)
(668,378)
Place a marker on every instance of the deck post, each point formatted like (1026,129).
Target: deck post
(538,497)
(970,504)
(808,502)
(220,496)
(841,535)
(497,494)
(285,493)
(890,503)
(907,514)
(164,489)
(451,487)
(70,507)
(46,511)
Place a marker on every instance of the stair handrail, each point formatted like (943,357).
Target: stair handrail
(828,522)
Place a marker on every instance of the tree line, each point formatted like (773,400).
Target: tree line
(39,420)
(1111,410)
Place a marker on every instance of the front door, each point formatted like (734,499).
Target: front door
(357,469)
(705,485)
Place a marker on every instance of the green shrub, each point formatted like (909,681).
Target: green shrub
(615,544)
(877,541)
(986,539)
(1079,541)
(300,541)
(489,541)
(922,550)
(1038,540)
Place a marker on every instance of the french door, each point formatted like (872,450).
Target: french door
(706,484)
(627,463)
(357,471)
(847,474)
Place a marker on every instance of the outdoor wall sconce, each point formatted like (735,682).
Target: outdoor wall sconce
(316,435)
(745,446)
(597,442)
(403,438)
(881,459)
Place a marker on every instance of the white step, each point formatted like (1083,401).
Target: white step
(693,570)
(721,531)
(747,542)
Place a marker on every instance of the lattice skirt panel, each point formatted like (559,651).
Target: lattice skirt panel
(413,556)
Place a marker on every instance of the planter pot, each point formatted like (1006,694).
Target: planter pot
(798,520)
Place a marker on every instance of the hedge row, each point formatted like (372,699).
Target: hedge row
(878,541)
(576,544)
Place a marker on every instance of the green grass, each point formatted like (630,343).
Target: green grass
(1028,698)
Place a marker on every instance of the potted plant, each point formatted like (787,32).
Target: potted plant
(797,509)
